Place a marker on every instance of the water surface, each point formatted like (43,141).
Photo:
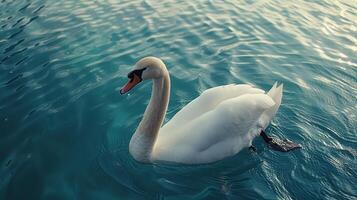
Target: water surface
(64,129)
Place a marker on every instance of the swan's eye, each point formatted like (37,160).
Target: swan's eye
(131,74)
(137,72)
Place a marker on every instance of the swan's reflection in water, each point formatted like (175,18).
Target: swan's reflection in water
(228,178)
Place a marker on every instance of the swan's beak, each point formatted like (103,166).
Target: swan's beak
(130,84)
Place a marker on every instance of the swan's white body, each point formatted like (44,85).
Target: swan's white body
(219,123)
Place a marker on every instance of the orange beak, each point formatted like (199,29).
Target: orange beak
(130,84)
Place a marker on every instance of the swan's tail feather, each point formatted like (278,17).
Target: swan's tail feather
(276,93)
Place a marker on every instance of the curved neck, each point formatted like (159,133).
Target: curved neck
(143,140)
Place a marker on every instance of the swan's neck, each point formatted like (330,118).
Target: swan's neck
(143,140)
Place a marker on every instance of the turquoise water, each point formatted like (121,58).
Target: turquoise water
(64,128)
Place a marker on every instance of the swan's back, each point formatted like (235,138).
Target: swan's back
(208,101)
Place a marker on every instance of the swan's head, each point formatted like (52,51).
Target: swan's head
(146,68)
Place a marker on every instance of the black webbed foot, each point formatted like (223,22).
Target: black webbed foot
(278,144)
(284,145)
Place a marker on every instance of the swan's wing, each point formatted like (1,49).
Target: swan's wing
(218,133)
(208,101)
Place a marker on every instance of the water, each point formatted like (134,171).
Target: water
(65,128)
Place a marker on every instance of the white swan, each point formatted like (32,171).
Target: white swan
(219,123)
